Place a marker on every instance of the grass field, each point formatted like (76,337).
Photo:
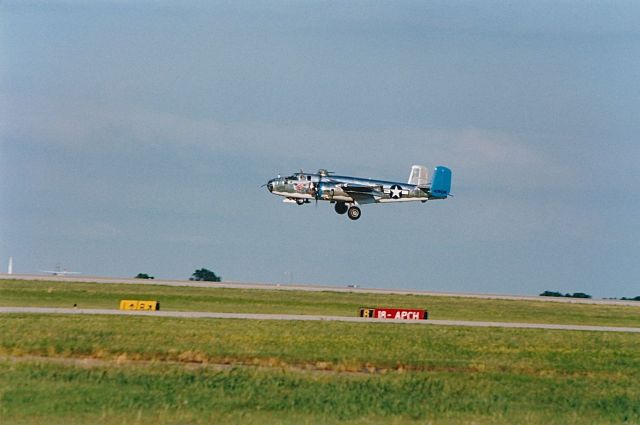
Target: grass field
(111,368)
(59,369)
(93,295)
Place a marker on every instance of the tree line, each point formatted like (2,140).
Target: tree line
(209,276)
(580,295)
(198,275)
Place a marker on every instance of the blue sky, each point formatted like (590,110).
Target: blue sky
(135,136)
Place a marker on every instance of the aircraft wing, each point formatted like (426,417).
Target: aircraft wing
(363,194)
(58,273)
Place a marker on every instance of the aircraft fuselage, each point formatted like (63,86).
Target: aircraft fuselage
(314,186)
(349,192)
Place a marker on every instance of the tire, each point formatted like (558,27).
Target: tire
(299,201)
(341,207)
(354,213)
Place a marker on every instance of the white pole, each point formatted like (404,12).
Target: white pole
(10,271)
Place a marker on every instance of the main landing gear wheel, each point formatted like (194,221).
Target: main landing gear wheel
(341,207)
(299,201)
(354,213)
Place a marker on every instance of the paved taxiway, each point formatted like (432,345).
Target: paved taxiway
(312,288)
(298,317)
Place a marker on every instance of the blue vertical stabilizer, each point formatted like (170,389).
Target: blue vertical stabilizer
(441,184)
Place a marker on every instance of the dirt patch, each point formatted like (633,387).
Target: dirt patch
(124,361)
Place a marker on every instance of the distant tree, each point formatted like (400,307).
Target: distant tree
(205,275)
(631,299)
(560,294)
(551,294)
(579,295)
(143,276)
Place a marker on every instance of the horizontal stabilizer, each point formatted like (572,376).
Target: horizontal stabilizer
(441,184)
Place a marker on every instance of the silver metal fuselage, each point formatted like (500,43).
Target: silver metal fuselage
(351,190)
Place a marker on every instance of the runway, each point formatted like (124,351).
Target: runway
(300,317)
(312,288)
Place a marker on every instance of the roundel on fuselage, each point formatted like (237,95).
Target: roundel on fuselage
(395,192)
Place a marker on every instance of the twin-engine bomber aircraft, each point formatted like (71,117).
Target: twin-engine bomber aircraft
(347,193)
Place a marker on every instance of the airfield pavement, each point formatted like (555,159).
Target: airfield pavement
(301,317)
(312,288)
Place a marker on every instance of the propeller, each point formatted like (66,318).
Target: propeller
(322,173)
(318,188)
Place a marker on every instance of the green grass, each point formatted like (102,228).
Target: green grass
(310,372)
(331,345)
(170,394)
(59,369)
(94,295)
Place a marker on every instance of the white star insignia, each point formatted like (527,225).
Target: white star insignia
(396,192)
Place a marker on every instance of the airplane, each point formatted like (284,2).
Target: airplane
(348,193)
(58,272)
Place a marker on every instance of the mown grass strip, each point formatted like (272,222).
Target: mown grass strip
(323,345)
(94,295)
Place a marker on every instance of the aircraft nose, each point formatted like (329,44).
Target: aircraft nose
(270,185)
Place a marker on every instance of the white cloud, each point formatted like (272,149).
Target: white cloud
(479,157)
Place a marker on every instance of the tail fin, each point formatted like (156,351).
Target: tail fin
(419,176)
(441,185)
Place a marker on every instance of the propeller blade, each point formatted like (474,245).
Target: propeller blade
(318,189)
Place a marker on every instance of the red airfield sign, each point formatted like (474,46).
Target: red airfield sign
(394,313)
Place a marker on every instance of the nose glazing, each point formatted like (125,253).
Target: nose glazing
(270,185)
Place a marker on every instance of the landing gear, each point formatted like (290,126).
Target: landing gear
(300,201)
(341,207)
(354,213)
